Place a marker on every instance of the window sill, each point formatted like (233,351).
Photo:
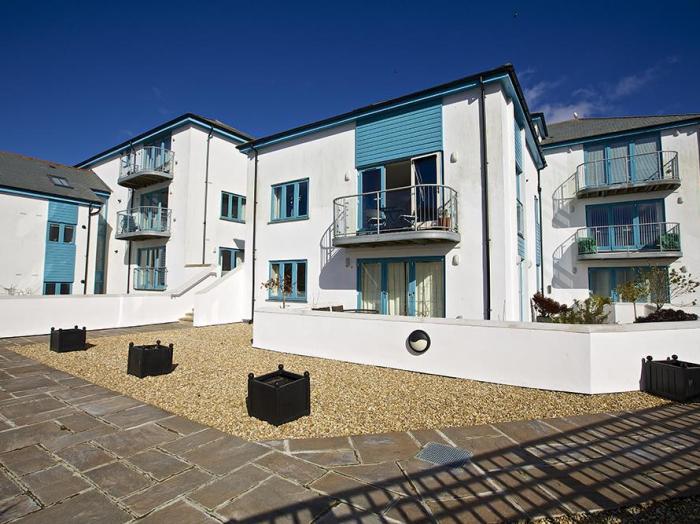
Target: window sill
(296,219)
(237,220)
(294,300)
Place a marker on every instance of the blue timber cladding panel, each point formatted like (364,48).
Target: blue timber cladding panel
(399,134)
(59,258)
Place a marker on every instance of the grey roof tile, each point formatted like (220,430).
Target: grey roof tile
(32,174)
(581,128)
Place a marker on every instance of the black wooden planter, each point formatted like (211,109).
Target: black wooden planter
(671,378)
(151,359)
(279,397)
(63,340)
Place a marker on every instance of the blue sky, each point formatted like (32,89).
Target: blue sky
(78,77)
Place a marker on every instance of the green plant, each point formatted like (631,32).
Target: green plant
(666,287)
(633,291)
(667,315)
(274,283)
(587,246)
(670,242)
(589,311)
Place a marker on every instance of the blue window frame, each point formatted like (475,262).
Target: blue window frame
(58,288)
(151,272)
(626,225)
(290,201)
(229,258)
(296,270)
(61,233)
(232,207)
(412,286)
(622,161)
(605,280)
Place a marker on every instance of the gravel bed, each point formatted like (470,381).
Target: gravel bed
(209,386)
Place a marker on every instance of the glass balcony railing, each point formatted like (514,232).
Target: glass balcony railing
(145,166)
(641,240)
(150,278)
(633,173)
(142,223)
(418,213)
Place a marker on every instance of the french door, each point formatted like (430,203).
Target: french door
(404,287)
(627,225)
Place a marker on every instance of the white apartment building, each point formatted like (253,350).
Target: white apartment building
(423,205)
(621,194)
(50,212)
(178,204)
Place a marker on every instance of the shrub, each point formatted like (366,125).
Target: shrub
(590,311)
(587,246)
(546,307)
(667,315)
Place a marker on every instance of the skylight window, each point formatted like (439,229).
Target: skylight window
(59,181)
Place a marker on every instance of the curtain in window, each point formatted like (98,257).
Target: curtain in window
(429,289)
(650,214)
(618,160)
(371,286)
(646,160)
(598,219)
(396,288)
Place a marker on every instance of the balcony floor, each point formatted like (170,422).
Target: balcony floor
(621,189)
(396,238)
(616,255)
(142,235)
(144,178)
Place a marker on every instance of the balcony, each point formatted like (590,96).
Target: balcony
(150,278)
(143,223)
(628,174)
(656,240)
(418,214)
(146,166)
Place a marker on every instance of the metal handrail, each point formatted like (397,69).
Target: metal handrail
(150,278)
(144,219)
(661,237)
(642,168)
(147,159)
(416,207)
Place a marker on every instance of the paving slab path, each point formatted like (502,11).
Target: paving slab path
(71,451)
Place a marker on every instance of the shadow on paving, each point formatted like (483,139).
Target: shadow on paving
(579,467)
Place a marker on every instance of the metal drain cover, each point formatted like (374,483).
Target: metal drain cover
(444,455)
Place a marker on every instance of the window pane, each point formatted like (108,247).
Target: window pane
(303,199)
(242,214)
(226,260)
(275,274)
(287,276)
(49,288)
(68,232)
(289,201)
(238,259)
(301,279)
(277,202)
(65,289)
(224,205)
(54,230)
(234,207)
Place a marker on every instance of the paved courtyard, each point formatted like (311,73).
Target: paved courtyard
(71,451)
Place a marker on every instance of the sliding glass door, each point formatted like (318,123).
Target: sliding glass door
(404,287)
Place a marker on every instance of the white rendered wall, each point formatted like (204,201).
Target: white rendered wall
(581,359)
(22,263)
(224,301)
(564,214)
(184,249)
(327,158)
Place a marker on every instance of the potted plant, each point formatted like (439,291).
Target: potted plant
(279,397)
(445,218)
(671,378)
(153,359)
(62,340)
(587,246)
(670,242)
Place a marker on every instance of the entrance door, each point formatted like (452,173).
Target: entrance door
(370,275)
(152,216)
(371,185)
